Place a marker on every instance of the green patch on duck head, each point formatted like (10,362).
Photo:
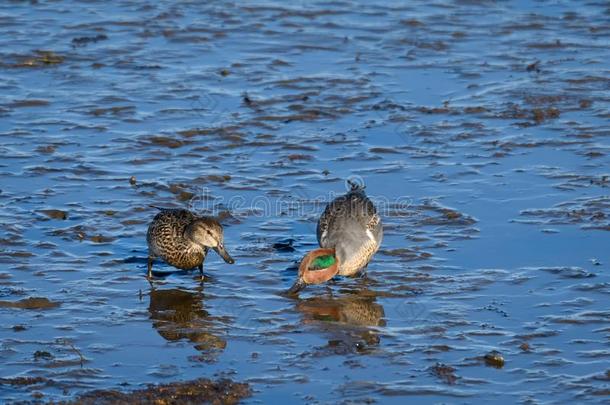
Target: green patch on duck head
(322,262)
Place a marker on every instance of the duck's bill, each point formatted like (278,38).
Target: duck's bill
(296,287)
(220,249)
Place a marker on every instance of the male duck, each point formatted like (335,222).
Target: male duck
(182,239)
(349,233)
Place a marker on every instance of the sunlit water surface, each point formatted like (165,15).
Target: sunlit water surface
(480,129)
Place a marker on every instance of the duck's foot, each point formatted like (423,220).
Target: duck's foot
(204,277)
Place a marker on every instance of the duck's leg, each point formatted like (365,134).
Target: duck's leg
(150,265)
(202,276)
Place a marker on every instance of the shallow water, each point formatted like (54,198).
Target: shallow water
(480,129)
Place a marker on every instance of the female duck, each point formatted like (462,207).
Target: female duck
(182,239)
(349,233)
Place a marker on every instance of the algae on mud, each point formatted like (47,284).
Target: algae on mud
(197,391)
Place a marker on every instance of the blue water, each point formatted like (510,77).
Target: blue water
(479,128)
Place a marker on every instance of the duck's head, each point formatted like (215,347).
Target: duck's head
(318,266)
(208,233)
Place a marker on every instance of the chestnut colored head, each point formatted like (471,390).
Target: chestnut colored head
(307,276)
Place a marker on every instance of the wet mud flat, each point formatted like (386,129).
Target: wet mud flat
(197,391)
(479,128)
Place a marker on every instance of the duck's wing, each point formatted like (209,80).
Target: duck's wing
(364,212)
(374,226)
(169,225)
(328,218)
(174,217)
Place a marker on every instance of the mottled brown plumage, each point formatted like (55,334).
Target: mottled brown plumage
(182,239)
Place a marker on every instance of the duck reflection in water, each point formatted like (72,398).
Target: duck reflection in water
(350,320)
(179,314)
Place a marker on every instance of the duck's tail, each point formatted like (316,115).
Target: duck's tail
(157,207)
(355,183)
